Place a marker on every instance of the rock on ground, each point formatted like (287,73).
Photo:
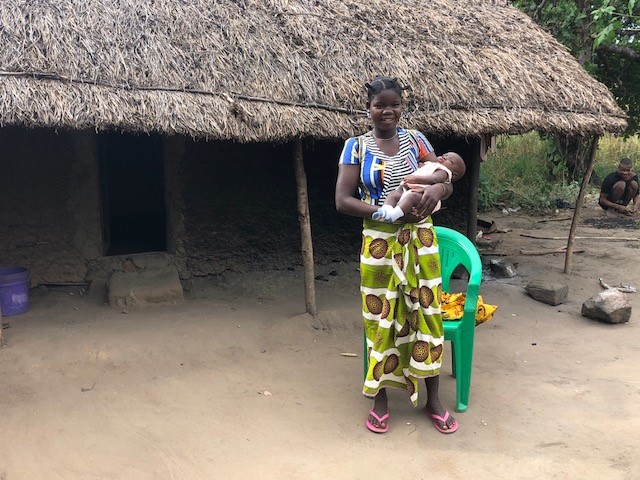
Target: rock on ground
(134,289)
(610,306)
(553,293)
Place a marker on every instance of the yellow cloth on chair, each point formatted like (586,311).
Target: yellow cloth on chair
(452,305)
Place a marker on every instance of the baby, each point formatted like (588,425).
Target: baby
(446,169)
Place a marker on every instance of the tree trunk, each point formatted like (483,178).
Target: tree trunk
(579,200)
(574,151)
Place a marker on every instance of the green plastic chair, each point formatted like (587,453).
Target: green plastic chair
(456,249)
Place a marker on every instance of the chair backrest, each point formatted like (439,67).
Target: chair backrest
(456,249)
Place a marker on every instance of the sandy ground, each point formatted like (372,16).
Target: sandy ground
(236,383)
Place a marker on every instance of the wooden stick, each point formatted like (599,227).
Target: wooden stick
(626,239)
(161,88)
(546,251)
(579,201)
(554,219)
(305,229)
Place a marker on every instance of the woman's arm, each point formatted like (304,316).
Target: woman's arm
(448,190)
(431,195)
(346,187)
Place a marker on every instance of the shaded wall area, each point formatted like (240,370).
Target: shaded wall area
(241,209)
(48,204)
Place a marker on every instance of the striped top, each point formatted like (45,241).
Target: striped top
(380,173)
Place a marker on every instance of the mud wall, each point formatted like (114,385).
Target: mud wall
(49,215)
(241,211)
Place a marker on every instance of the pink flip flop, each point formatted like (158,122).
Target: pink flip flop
(444,419)
(374,428)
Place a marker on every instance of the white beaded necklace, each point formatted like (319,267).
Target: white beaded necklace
(385,139)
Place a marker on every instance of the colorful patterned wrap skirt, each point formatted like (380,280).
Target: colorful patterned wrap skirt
(401,286)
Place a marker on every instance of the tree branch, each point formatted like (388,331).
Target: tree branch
(627,52)
(538,10)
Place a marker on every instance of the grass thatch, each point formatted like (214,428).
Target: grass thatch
(277,69)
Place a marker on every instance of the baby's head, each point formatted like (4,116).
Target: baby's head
(453,162)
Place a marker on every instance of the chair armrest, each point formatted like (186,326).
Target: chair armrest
(471,303)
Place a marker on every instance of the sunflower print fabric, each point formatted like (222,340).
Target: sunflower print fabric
(400,287)
(452,305)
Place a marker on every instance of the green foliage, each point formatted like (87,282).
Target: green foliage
(489,192)
(558,166)
(621,75)
(525,172)
(517,175)
(612,22)
(567,192)
(604,36)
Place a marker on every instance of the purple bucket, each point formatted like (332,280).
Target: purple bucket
(14,290)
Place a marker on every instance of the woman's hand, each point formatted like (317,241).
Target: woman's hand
(431,195)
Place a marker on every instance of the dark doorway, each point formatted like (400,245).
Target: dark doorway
(132,182)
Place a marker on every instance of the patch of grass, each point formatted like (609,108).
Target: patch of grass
(516,174)
(522,172)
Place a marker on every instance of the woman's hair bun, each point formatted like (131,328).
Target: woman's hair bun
(381,83)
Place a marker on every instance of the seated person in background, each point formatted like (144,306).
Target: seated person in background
(447,168)
(619,188)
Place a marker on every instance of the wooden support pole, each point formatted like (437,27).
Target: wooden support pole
(305,229)
(576,211)
(473,173)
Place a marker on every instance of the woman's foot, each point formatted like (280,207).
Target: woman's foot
(442,419)
(376,423)
(378,420)
(442,423)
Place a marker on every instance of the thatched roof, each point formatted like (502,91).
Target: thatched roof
(275,69)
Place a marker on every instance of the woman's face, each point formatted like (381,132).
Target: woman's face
(385,110)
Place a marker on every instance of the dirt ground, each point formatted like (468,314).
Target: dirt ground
(237,383)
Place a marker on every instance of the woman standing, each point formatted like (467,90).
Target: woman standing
(399,262)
